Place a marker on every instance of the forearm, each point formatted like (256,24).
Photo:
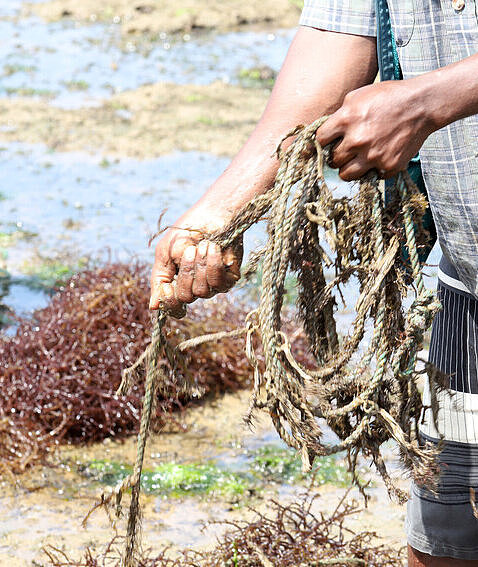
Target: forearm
(450,93)
(320,69)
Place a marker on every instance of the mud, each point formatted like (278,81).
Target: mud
(146,122)
(168,16)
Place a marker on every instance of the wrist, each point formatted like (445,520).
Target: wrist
(434,94)
(425,104)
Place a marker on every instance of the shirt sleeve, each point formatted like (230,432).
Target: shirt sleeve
(355,17)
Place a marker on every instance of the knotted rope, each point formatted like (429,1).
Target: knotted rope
(366,395)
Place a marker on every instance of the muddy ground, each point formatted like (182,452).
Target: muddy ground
(147,122)
(153,17)
(48,505)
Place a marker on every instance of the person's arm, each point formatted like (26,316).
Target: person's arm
(383,126)
(320,69)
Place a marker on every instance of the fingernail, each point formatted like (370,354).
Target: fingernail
(168,291)
(153,300)
(190,253)
(203,246)
(228,258)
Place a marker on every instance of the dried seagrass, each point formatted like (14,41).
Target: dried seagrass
(365,400)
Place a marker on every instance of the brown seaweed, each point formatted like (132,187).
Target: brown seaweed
(291,535)
(61,369)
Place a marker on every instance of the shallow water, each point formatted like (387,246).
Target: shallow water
(78,65)
(88,204)
(99,207)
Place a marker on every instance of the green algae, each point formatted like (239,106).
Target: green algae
(281,464)
(172,479)
(30,92)
(50,273)
(9,238)
(265,466)
(257,77)
(76,85)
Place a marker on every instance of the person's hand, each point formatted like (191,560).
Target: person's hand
(380,126)
(187,266)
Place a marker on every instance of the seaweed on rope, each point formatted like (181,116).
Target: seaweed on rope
(365,403)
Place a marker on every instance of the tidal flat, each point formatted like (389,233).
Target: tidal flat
(111,114)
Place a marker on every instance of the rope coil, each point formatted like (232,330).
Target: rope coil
(365,401)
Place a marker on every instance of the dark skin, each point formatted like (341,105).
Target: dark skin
(182,271)
(418,559)
(416,108)
(324,73)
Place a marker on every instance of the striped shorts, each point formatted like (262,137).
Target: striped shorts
(443,524)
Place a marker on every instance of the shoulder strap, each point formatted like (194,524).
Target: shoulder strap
(388,62)
(390,70)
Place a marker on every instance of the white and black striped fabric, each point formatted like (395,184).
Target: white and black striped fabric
(443,524)
(454,350)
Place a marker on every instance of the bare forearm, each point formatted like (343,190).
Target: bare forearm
(450,93)
(320,69)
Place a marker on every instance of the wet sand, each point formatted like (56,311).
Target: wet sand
(147,122)
(168,16)
(49,504)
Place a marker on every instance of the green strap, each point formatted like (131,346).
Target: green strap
(388,62)
(389,67)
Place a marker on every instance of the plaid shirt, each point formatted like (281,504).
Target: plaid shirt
(429,34)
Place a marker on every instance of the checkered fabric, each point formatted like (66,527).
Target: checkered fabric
(429,34)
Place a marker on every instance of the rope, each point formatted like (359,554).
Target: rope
(365,403)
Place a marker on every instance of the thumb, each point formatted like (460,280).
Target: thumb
(162,277)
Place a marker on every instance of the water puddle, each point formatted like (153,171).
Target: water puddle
(76,65)
(90,204)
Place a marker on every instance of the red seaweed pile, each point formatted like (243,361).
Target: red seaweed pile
(289,535)
(60,371)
